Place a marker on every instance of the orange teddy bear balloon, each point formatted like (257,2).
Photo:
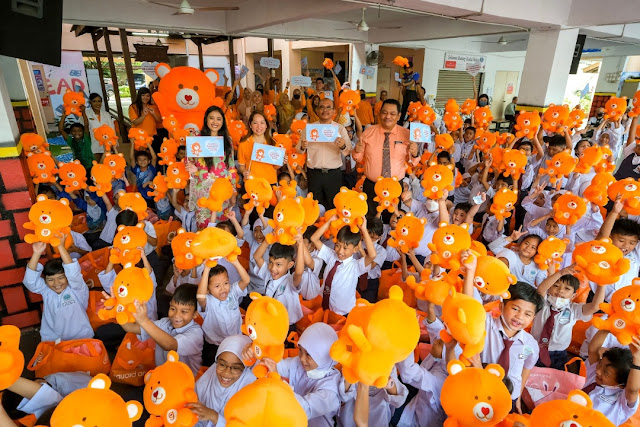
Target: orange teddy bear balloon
(297,127)
(258,192)
(629,190)
(268,401)
(237,130)
(468,106)
(351,207)
(180,136)
(185,93)
(72,175)
(601,261)
(444,141)
(270,112)
(168,151)
(159,187)
(426,115)
(311,210)
(283,140)
(577,410)
(437,178)
(401,61)
(408,233)
(555,118)
(288,217)
(168,389)
(453,121)
(615,108)
(96,406)
(482,117)
(133,202)
(126,243)
(434,289)
(569,208)
(267,324)
(101,177)
(576,118)
(623,317)
(349,101)
(116,163)
(10,355)
(131,284)
(503,203)
(140,138)
(213,243)
(170,123)
(590,157)
(72,103)
(387,191)
(606,164)
(375,338)
(464,320)
(414,110)
(486,142)
(106,136)
(513,163)
(182,252)
(42,167)
(550,250)
(328,63)
(286,189)
(493,277)
(177,176)
(596,192)
(32,142)
(527,124)
(635,105)
(297,162)
(448,241)
(475,397)
(561,165)
(48,218)
(221,191)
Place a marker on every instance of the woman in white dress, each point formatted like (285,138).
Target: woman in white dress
(97,116)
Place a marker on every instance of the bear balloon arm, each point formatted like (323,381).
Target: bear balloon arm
(154,421)
(451,422)
(580,261)
(621,267)
(186,418)
(594,269)
(124,317)
(358,337)
(607,308)
(623,336)
(30,238)
(55,242)
(445,336)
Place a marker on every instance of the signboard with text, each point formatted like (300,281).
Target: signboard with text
(463,61)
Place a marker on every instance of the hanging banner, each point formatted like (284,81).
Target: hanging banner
(461,61)
(69,75)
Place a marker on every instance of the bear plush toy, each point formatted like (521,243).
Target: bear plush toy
(503,203)
(159,187)
(560,165)
(577,410)
(485,142)
(131,284)
(185,93)
(283,140)
(351,207)
(576,118)
(569,208)
(168,389)
(401,61)
(427,115)
(97,406)
(615,108)
(475,397)
(106,136)
(133,202)
(414,110)
(267,324)
(601,261)
(34,143)
(550,250)
(590,157)
(170,123)
(297,162)
(221,191)
(182,252)
(297,128)
(328,63)
(270,112)
(349,101)
(443,141)
(408,233)
(139,138)
(482,117)
(72,175)
(606,164)
(126,243)
(116,163)
(42,167)
(448,242)
(464,320)
(513,163)
(10,355)
(375,338)
(629,190)
(635,104)
(286,189)
(387,191)
(437,178)
(596,192)
(180,136)
(213,243)
(177,176)
(505,138)
(493,277)
(258,193)
(72,103)
(434,289)
(168,151)
(48,218)
(527,124)
(237,131)
(468,106)
(101,176)
(623,313)
(555,118)
(453,121)
(288,217)
(311,210)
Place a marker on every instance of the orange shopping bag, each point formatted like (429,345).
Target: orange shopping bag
(95,304)
(391,277)
(79,223)
(93,263)
(133,359)
(165,232)
(83,355)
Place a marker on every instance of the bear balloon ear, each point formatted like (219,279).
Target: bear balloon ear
(64,201)
(580,397)
(496,370)
(41,197)
(100,382)
(212,75)
(172,356)
(455,367)
(162,69)
(134,410)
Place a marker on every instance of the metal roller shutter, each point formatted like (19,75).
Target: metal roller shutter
(455,84)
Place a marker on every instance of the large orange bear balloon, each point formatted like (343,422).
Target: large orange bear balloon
(270,112)
(504,202)
(387,191)
(590,157)
(492,277)
(168,389)
(72,175)
(214,243)
(414,110)
(623,313)
(560,165)
(297,162)
(527,124)
(140,138)
(72,103)
(185,93)
(131,284)
(133,202)
(48,218)
(42,167)
(596,192)
(576,410)
(159,187)
(288,217)
(569,208)
(351,207)
(555,118)
(258,193)
(434,289)
(486,142)
(448,242)
(468,106)
(221,191)
(427,115)
(615,108)
(237,131)
(106,136)
(443,141)
(601,261)
(116,163)
(126,243)
(408,233)
(550,250)
(635,104)
(10,355)
(513,163)
(32,142)
(177,176)
(464,319)
(629,190)
(437,178)
(482,117)
(576,118)
(182,252)
(101,177)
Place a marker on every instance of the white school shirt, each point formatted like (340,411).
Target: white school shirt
(523,353)
(190,342)
(612,403)
(319,398)
(79,242)
(94,123)
(345,280)
(626,279)
(609,342)
(284,291)
(151,232)
(222,318)
(381,256)
(382,405)
(51,392)
(188,220)
(462,194)
(533,211)
(110,227)
(310,282)
(256,284)
(528,273)
(563,325)
(529,171)
(64,315)
(107,280)
(430,228)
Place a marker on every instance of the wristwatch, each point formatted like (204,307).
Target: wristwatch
(635,367)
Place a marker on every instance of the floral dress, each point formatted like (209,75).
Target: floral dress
(201,184)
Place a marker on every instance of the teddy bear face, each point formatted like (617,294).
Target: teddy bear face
(127,241)
(555,117)
(426,115)
(270,112)
(72,101)
(552,248)
(569,208)
(214,243)
(577,410)
(449,240)
(601,261)
(133,202)
(49,217)
(297,161)
(159,186)
(527,123)
(444,141)
(576,117)
(350,205)
(258,190)
(32,142)
(486,141)
(387,191)
(624,302)
(513,162)
(453,121)
(105,135)
(132,284)
(493,277)
(168,388)
(283,141)
(615,107)
(408,232)
(266,323)
(627,187)
(116,163)
(170,123)
(168,149)
(186,88)
(505,199)
(181,246)
(237,130)
(73,176)
(42,167)
(562,163)
(177,175)
(468,106)
(590,157)
(414,110)
(350,99)
(482,117)
(288,216)
(435,179)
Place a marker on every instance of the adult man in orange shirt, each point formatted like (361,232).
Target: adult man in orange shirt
(364,111)
(376,110)
(385,148)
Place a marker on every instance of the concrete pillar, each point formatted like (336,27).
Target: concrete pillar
(433,62)
(546,67)
(295,65)
(8,127)
(610,64)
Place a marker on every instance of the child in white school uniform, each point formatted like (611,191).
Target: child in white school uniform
(308,266)
(369,282)
(254,236)
(520,263)
(64,293)
(186,216)
(219,305)
(342,271)
(392,255)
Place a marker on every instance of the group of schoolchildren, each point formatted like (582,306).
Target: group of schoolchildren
(534,327)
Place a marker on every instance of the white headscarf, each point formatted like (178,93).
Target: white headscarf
(265,230)
(233,344)
(317,340)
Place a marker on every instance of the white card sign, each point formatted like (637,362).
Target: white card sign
(474,68)
(367,71)
(302,81)
(268,62)
(337,68)
(149,68)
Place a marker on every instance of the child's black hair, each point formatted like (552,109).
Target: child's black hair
(278,251)
(506,179)
(182,147)
(52,267)
(228,226)
(557,141)
(621,360)
(467,121)
(375,226)
(531,236)
(508,383)
(218,269)
(46,190)
(127,217)
(283,175)
(527,143)
(310,232)
(525,292)
(142,153)
(626,227)
(186,295)
(444,155)
(346,236)
(471,128)
(571,280)
(464,206)
(76,125)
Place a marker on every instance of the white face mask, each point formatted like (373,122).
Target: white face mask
(558,303)
(612,387)
(504,323)
(431,205)
(318,373)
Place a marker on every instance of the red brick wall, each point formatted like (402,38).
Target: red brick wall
(598,101)
(24,119)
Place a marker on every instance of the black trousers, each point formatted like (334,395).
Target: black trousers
(369,189)
(408,97)
(325,184)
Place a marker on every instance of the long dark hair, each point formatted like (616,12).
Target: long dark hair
(267,133)
(138,101)
(223,132)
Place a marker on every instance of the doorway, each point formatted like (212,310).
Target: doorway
(504,89)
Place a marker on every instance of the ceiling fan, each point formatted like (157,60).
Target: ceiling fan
(362,26)
(501,41)
(186,9)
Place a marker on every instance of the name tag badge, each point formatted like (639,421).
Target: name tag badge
(608,398)
(398,142)
(526,352)
(565,317)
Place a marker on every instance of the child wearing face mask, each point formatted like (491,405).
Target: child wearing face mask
(553,325)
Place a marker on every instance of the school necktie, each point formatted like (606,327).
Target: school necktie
(503,360)
(588,389)
(545,337)
(363,281)
(386,156)
(326,293)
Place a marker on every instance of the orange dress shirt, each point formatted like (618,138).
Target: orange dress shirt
(376,110)
(149,124)
(373,140)
(365,113)
(258,169)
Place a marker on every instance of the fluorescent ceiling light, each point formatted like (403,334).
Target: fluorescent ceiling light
(163,35)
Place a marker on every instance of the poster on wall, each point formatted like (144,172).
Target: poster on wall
(69,75)
(462,62)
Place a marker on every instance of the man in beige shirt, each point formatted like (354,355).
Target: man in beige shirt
(325,159)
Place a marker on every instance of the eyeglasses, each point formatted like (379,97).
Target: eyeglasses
(235,369)
(325,107)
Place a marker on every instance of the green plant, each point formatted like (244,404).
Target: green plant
(124,92)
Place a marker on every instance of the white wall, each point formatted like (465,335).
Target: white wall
(9,67)
(501,62)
